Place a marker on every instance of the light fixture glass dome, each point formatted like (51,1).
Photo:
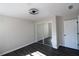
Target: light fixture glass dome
(33,11)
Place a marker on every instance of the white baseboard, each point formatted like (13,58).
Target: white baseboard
(16,48)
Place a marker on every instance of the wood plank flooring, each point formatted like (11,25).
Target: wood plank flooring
(48,51)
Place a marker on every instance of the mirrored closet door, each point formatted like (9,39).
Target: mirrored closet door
(44,33)
(40,33)
(48,34)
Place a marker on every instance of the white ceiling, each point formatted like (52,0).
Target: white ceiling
(20,10)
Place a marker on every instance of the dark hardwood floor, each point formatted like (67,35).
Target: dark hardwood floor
(49,51)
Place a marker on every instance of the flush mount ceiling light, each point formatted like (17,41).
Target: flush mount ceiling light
(70,7)
(33,11)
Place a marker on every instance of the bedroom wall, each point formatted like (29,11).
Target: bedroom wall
(15,33)
(60,30)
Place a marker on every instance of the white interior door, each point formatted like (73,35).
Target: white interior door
(70,34)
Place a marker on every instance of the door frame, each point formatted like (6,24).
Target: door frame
(76,34)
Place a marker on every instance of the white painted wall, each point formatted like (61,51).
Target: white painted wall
(60,30)
(54,33)
(15,33)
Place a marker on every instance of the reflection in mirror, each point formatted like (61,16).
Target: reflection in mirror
(48,42)
(40,34)
(48,38)
(44,33)
(41,41)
